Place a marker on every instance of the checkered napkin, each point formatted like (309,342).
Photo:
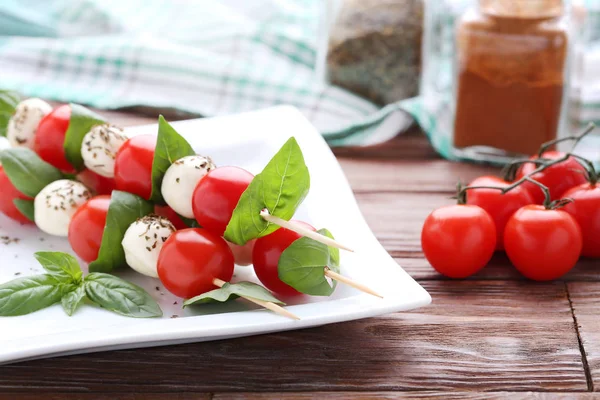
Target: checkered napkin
(206,57)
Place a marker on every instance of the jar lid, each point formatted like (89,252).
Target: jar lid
(523,8)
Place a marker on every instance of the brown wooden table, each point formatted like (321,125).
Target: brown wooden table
(494,333)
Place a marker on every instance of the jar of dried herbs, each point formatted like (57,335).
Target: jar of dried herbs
(375,48)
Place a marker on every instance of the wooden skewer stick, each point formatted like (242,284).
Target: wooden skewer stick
(266,304)
(334,275)
(301,230)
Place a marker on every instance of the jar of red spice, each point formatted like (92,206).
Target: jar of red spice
(511,77)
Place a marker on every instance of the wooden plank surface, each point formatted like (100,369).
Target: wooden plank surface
(496,333)
(425,395)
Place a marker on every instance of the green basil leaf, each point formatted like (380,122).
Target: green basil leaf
(170,147)
(189,222)
(27,171)
(25,295)
(280,188)
(231,291)
(26,208)
(120,296)
(80,123)
(334,252)
(61,265)
(302,266)
(70,301)
(123,210)
(8,103)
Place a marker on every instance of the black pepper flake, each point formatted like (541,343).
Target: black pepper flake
(177,180)
(8,240)
(148,248)
(174,316)
(175,303)
(17,273)
(157,288)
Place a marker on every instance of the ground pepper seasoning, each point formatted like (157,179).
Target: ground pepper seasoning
(511,75)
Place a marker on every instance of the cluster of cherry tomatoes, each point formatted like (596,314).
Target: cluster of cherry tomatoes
(543,236)
(190,259)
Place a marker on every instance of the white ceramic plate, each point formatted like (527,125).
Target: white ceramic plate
(247,140)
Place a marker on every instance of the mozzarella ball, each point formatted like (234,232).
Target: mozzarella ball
(56,204)
(99,148)
(143,241)
(181,179)
(4,144)
(24,122)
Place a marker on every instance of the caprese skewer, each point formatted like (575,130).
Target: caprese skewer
(243,218)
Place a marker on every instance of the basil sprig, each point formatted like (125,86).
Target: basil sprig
(8,103)
(170,147)
(64,283)
(302,265)
(123,210)
(26,208)
(230,291)
(280,188)
(27,171)
(80,123)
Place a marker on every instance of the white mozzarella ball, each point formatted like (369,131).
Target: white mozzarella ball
(56,204)
(4,144)
(143,241)
(181,179)
(99,148)
(23,125)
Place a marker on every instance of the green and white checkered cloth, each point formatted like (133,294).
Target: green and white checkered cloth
(206,57)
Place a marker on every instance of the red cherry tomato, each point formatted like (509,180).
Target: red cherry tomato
(558,178)
(8,193)
(133,165)
(586,210)
(191,259)
(216,196)
(87,226)
(97,183)
(542,244)
(50,138)
(242,254)
(171,215)
(458,240)
(265,259)
(500,206)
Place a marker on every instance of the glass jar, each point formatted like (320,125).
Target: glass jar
(510,78)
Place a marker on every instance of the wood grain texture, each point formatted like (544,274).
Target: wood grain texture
(476,335)
(406,175)
(425,395)
(585,299)
(107,396)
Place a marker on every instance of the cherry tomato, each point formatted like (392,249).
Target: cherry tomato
(586,210)
(87,226)
(8,193)
(133,165)
(558,178)
(50,138)
(242,254)
(265,259)
(458,240)
(216,196)
(542,244)
(171,215)
(191,259)
(97,183)
(500,206)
